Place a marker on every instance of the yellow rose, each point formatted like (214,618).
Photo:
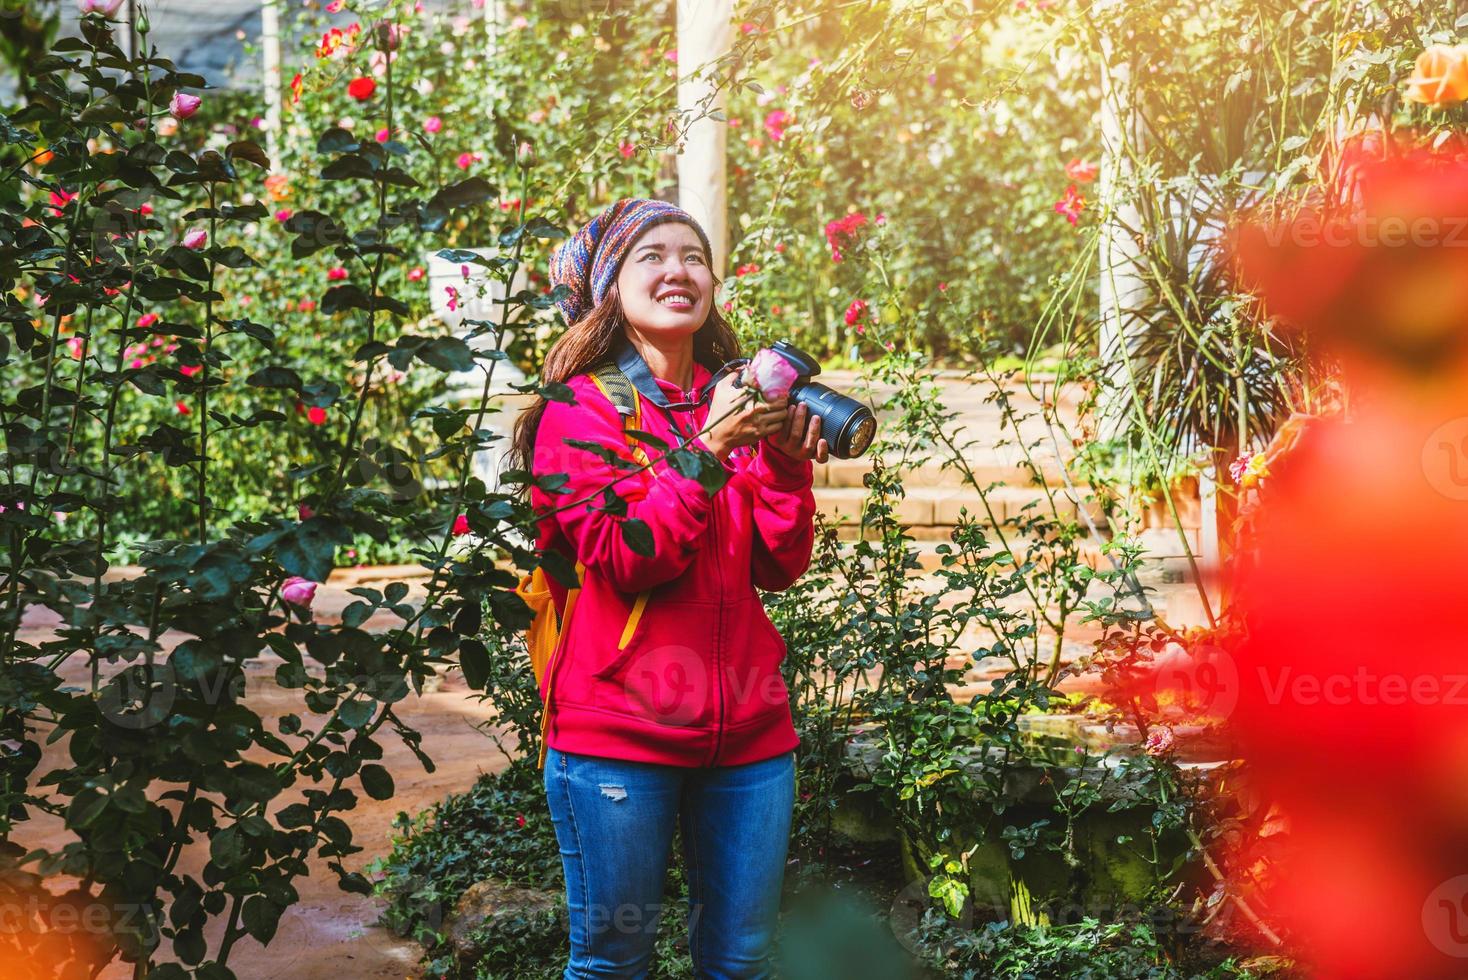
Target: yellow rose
(1441,78)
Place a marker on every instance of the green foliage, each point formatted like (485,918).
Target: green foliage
(1088,950)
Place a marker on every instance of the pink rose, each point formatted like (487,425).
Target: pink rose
(298,591)
(1071,205)
(1160,740)
(195,239)
(432,124)
(461,525)
(183,105)
(771,374)
(775,123)
(147,319)
(104,7)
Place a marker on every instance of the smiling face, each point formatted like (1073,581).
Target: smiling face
(665,284)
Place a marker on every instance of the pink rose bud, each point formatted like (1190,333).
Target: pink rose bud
(298,591)
(195,238)
(104,7)
(525,154)
(771,374)
(183,105)
(461,525)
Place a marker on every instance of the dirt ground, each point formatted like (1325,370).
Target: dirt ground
(329,934)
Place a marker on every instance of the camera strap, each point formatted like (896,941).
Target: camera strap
(635,369)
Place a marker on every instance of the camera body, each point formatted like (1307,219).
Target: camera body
(847,425)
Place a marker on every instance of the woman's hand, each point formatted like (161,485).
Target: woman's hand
(800,437)
(749,420)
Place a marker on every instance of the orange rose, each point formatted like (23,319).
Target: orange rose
(1441,78)
(279,186)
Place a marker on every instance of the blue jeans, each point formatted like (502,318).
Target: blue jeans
(614,823)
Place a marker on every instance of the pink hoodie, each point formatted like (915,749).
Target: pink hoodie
(690,676)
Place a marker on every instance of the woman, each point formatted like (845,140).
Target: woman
(669,707)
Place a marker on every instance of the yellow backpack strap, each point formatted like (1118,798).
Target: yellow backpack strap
(550,669)
(625,399)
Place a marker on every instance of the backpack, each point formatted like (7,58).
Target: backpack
(543,637)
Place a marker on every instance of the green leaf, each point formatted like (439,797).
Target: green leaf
(214,971)
(261,916)
(347,297)
(647,437)
(538,227)
(85,808)
(248,150)
(461,256)
(357,712)
(336,140)
(700,465)
(255,783)
(315,230)
(226,848)
(638,536)
(275,377)
(295,815)
(308,549)
(447,354)
(474,661)
(377,781)
(465,193)
(346,168)
(187,261)
(356,613)
(605,453)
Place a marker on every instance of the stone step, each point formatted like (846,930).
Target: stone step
(997,466)
(929,512)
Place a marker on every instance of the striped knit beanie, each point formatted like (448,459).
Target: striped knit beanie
(589,260)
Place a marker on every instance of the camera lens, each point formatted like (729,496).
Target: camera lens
(847,425)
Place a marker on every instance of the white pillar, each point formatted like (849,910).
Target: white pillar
(493,25)
(128,30)
(704,34)
(1121,287)
(270,73)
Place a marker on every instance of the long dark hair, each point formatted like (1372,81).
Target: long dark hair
(595,338)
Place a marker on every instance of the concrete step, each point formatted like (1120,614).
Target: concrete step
(996,466)
(929,512)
